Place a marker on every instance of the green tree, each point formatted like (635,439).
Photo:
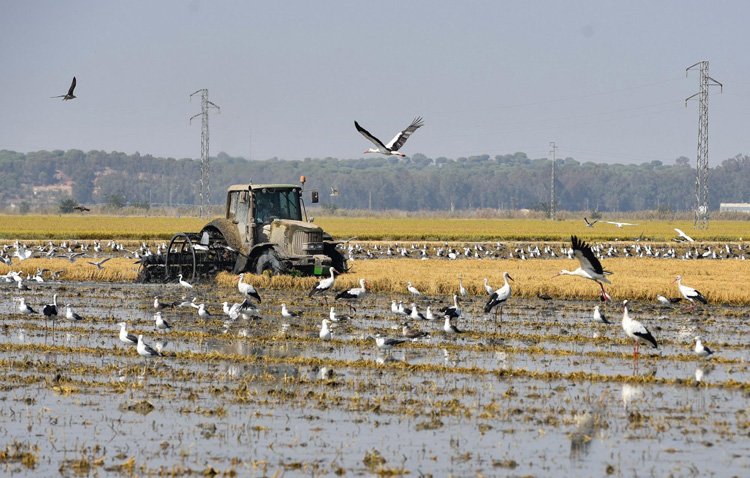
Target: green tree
(68,205)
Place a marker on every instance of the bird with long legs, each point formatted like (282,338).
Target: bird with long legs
(50,312)
(392,148)
(325,284)
(636,331)
(590,268)
(353,294)
(499,297)
(689,293)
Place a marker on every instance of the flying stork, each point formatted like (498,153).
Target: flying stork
(69,95)
(590,267)
(392,148)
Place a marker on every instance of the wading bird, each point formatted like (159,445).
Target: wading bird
(392,148)
(183,283)
(324,285)
(247,289)
(69,95)
(499,296)
(636,331)
(590,267)
(689,293)
(589,224)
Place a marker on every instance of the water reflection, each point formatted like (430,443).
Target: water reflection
(630,393)
(580,439)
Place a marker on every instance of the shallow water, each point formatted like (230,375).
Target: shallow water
(542,391)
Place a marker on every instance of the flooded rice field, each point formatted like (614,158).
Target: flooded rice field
(541,390)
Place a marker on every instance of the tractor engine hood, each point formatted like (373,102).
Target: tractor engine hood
(297,238)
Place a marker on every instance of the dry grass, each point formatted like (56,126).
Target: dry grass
(369,228)
(95,227)
(633,278)
(450,229)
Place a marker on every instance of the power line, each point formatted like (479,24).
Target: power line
(701,179)
(205,165)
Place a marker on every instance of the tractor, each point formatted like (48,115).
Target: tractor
(264,229)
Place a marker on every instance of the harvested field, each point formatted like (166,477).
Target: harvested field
(370,229)
(540,391)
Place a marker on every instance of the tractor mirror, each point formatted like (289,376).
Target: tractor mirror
(314,197)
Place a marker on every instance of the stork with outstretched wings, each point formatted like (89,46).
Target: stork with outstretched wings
(392,148)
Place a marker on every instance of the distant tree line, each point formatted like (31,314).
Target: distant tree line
(511,181)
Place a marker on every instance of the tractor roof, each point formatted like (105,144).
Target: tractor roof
(245,187)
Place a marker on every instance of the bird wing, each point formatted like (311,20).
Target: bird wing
(586,256)
(104,260)
(369,136)
(72,87)
(401,138)
(682,234)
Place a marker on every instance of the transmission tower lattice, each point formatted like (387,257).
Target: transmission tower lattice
(552,198)
(701,179)
(205,164)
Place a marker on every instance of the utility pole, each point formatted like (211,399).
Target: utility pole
(701,180)
(552,199)
(205,166)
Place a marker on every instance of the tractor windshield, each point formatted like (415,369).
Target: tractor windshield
(273,204)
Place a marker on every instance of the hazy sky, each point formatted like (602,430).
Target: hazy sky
(604,79)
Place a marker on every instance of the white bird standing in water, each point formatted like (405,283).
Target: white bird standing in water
(325,331)
(125,337)
(700,349)
(203,313)
(160,323)
(599,317)
(636,331)
(287,314)
(247,289)
(70,315)
(449,328)
(183,283)
(499,297)
(145,350)
(23,308)
(325,284)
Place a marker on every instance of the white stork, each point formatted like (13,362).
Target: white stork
(683,235)
(324,285)
(499,296)
(354,293)
(392,148)
(247,289)
(590,267)
(689,293)
(636,331)
(620,224)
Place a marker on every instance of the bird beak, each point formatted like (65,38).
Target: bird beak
(673,281)
(509,277)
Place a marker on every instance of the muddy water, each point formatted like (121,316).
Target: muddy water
(541,391)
